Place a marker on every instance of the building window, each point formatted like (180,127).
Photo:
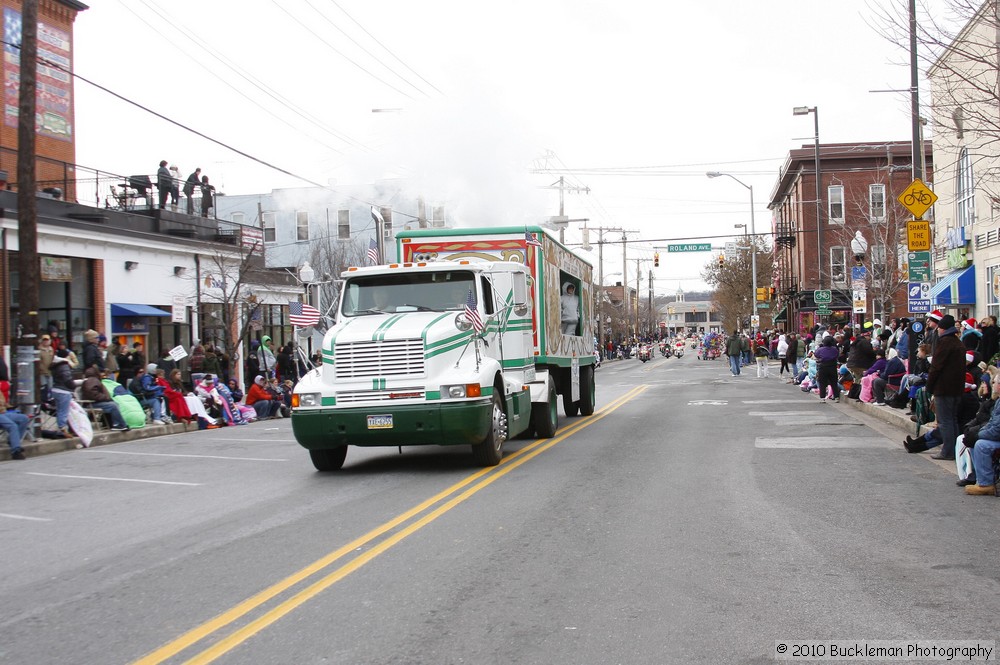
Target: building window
(876,202)
(838,265)
(879,264)
(302,225)
(267,218)
(993,291)
(237,217)
(835,196)
(965,190)
(344,224)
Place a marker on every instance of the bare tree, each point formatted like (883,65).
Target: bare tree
(733,294)
(884,232)
(329,258)
(229,304)
(959,50)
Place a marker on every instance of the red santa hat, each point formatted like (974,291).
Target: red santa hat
(970,383)
(969,323)
(969,357)
(937,315)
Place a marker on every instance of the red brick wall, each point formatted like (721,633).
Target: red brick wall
(63,153)
(101,323)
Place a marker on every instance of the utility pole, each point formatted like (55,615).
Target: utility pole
(916,153)
(28,268)
(652,321)
(600,292)
(638,275)
(562,220)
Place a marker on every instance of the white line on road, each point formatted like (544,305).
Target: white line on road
(25,517)
(820,442)
(124,480)
(269,440)
(246,459)
(765,401)
(781,414)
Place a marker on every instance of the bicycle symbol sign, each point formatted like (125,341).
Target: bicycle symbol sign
(917,198)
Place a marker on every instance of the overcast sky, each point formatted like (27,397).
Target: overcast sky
(488,94)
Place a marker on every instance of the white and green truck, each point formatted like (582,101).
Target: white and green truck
(459,343)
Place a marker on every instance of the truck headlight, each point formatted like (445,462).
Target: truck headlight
(462,390)
(462,322)
(306,399)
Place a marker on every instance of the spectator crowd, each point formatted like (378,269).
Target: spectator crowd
(113,386)
(943,372)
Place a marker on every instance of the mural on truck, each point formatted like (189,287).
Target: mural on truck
(560,268)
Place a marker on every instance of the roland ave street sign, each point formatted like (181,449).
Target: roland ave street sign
(917,198)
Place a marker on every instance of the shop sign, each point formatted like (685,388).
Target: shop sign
(56,269)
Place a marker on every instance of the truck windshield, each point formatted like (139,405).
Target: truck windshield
(407,292)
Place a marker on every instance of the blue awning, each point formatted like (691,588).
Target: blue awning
(956,288)
(125,309)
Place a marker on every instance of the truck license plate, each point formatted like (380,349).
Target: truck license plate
(380,422)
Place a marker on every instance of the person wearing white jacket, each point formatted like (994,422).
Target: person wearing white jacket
(783,355)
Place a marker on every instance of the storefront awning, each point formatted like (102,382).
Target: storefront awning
(782,314)
(956,288)
(125,309)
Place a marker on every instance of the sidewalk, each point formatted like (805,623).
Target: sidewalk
(887,414)
(104,438)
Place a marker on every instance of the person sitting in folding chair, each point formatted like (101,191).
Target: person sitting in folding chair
(94,391)
(149,394)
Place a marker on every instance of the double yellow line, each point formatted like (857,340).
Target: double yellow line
(472,485)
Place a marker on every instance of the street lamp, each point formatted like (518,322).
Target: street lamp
(806,110)
(306,276)
(753,232)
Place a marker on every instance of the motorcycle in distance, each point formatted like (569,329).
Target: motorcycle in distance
(645,353)
(679,350)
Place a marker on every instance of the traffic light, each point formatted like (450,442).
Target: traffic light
(771,292)
(762,293)
(656,260)
(722,259)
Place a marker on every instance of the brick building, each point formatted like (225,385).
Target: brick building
(55,139)
(859,183)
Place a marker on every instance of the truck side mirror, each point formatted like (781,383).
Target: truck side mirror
(520,294)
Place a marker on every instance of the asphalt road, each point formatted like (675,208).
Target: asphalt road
(696,518)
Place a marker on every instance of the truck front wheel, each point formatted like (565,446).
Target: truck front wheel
(329,459)
(490,451)
(545,415)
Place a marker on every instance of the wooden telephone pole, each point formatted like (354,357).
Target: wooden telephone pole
(27,212)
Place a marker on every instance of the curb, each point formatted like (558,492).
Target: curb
(50,446)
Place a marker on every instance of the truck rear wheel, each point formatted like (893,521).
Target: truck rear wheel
(545,415)
(588,391)
(329,459)
(490,451)
(569,406)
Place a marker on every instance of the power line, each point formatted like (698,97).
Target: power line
(204,44)
(367,52)
(386,48)
(342,54)
(217,142)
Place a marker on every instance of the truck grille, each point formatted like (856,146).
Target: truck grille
(356,396)
(401,357)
